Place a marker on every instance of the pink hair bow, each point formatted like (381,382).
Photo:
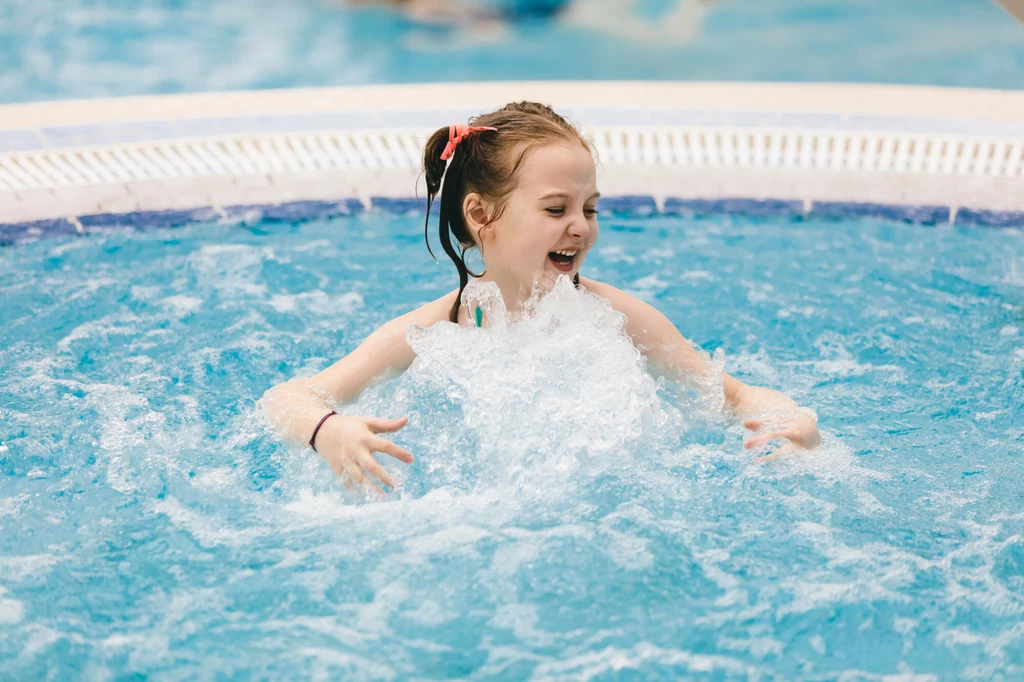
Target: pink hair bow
(457,132)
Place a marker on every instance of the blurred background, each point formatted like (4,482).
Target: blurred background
(66,49)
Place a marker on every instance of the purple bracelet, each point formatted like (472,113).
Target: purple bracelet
(317,429)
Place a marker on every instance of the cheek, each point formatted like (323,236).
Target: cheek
(516,248)
(531,240)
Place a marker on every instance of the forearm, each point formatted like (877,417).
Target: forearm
(295,407)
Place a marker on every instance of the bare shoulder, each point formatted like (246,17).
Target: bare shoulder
(428,313)
(652,332)
(645,324)
(638,314)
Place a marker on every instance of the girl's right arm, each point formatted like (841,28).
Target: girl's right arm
(347,443)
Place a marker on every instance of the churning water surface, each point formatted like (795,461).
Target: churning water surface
(568,516)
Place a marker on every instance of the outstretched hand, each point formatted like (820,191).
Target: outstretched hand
(799,430)
(348,444)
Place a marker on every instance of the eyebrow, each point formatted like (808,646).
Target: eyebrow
(557,194)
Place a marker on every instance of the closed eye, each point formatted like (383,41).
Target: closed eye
(555,210)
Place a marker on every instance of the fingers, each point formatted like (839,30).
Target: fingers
(356,461)
(786,449)
(754,424)
(360,478)
(338,467)
(764,438)
(374,468)
(353,470)
(385,446)
(378,425)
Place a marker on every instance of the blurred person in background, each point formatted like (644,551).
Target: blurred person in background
(454,12)
(625,18)
(1014,7)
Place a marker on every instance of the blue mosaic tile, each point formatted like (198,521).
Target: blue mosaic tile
(631,204)
(733,205)
(145,220)
(983,218)
(20,140)
(15,233)
(400,204)
(243,212)
(298,210)
(919,215)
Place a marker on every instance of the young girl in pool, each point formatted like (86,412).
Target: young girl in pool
(520,185)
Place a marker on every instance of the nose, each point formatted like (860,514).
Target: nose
(579,228)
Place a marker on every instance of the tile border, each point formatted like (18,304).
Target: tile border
(626,206)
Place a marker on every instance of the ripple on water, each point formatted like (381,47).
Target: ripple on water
(568,515)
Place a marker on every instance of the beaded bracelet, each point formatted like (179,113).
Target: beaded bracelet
(317,429)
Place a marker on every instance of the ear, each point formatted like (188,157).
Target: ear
(477,213)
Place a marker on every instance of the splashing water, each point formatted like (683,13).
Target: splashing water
(569,516)
(539,399)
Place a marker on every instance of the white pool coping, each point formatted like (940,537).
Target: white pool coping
(946,148)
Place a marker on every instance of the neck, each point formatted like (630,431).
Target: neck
(513,292)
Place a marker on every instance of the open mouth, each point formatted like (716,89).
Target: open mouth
(563,260)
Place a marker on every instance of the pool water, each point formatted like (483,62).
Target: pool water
(568,516)
(102,48)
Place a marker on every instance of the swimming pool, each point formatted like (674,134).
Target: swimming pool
(151,525)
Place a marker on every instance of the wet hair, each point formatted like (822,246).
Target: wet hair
(487,163)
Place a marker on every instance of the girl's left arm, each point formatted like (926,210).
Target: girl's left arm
(670,352)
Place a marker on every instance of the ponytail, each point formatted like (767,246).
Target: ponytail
(450,219)
(433,171)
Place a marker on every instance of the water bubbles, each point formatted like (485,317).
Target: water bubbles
(568,512)
(537,399)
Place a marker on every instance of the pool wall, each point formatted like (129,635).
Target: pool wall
(922,154)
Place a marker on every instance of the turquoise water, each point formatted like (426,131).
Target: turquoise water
(97,48)
(572,519)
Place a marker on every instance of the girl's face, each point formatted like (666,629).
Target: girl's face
(549,223)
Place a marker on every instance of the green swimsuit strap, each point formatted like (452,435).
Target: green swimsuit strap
(479,316)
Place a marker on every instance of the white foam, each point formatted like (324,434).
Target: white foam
(218,479)
(104,327)
(542,395)
(430,613)
(12,506)
(346,304)
(614,660)
(208,530)
(332,659)
(40,637)
(182,305)
(16,568)
(233,270)
(11,610)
